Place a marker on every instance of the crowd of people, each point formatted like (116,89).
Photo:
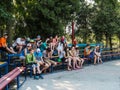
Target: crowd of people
(53,51)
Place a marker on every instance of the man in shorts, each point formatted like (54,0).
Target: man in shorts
(4,46)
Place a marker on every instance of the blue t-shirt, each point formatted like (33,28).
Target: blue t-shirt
(38,55)
(23,53)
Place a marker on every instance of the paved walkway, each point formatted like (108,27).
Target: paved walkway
(99,77)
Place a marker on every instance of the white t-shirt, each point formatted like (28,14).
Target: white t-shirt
(97,52)
(44,54)
(62,54)
(60,47)
(19,42)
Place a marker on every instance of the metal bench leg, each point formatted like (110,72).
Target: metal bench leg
(6,88)
(18,82)
(25,73)
(6,69)
(0,73)
(51,68)
(8,60)
(31,71)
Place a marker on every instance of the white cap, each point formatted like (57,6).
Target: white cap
(38,50)
(97,46)
(29,44)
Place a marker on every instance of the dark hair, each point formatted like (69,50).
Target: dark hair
(73,45)
(23,37)
(77,48)
(5,34)
(48,49)
(31,49)
(87,45)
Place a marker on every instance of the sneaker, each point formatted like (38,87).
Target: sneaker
(36,77)
(40,76)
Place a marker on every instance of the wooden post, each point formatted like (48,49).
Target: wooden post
(73,32)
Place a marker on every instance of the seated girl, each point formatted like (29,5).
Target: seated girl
(97,56)
(80,60)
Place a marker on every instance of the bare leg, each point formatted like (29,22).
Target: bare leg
(46,66)
(11,51)
(101,60)
(34,70)
(81,64)
(38,67)
(98,58)
(20,49)
(74,62)
(69,64)
(95,58)
(78,61)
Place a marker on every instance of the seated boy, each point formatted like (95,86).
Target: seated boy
(30,60)
(88,53)
(39,58)
(47,55)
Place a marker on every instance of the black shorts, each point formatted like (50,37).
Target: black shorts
(16,49)
(63,59)
(3,49)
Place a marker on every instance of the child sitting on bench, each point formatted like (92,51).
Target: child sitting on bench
(30,60)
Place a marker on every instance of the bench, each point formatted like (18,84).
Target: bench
(110,55)
(3,65)
(9,56)
(6,79)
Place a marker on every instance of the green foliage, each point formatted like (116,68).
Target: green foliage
(44,17)
(84,18)
(98,21)
(105,22)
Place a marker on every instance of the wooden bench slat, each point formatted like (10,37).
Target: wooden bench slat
(7,75)
(111,54)
(11,77)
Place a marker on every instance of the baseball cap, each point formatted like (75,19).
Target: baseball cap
(38,50)
(98,46)
(5,34)
(38,36)
(29,45)
(31,40)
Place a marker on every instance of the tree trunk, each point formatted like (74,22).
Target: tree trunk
(1,33)
(119,43)
(110,42)
(85,39)
(10,28)
(107,40)
(10,34)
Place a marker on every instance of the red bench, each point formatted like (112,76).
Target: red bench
(6,79)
